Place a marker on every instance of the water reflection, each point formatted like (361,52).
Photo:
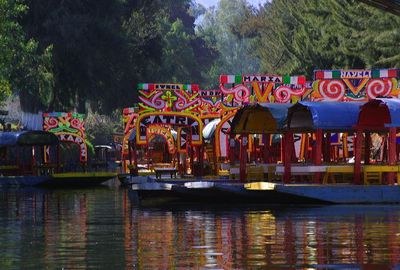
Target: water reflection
(100,228)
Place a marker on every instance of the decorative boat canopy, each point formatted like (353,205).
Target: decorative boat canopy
(379,114)
(334,116)
(260,118)
(28,138)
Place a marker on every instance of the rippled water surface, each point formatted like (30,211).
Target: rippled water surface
(100,228)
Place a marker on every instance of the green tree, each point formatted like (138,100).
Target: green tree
(23,67)
(103,48)
(297,37)
(221,28)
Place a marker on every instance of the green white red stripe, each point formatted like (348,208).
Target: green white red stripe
(191,87)
(294,79)
(327,74)
(166,86)
(63,114)
(146,86)
(342,74)
(385,73)
(230,79)
(225,79)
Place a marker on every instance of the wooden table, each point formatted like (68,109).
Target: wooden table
(160,171)
(45,169)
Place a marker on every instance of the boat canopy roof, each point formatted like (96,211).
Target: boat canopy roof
(209,129)
(333,116)
(260,118)
(379,114)
(28,138)
(103,146)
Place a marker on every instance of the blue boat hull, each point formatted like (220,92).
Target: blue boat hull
(27,180)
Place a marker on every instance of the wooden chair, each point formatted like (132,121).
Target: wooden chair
(333,171)
(373,173)
(372,177)
(255,173)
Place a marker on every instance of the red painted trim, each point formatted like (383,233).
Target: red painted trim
(223,79)
(319,75)
(318,153)
(243,157)
(357,155)
(392,153)
(287,160)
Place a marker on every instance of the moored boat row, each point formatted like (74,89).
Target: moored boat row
(26,167)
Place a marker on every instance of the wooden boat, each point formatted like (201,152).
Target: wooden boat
(78,179)
(152,193)
(23,180)
(13,171)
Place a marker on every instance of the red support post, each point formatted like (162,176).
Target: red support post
(191,159)
(254,150)
(318,154)
(215,158)
(232,144)
(58,158)
(135,160)
(357,157)
(327,147)
(265,139)
(367,150)
(392,153)
(201,160)
(129,152)
(287,157)
(243,157)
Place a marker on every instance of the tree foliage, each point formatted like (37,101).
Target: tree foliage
(103,48)
(303,35)
(221,28)
(24,68)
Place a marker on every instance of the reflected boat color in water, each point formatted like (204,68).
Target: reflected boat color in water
(100,229)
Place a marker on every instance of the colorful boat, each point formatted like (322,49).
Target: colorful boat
(23,157)
(79,179)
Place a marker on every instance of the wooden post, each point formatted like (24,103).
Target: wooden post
(43,153)
(265,139)
(392,153)
(232,145)
(148,155)
(254,147)
(367,150)
(215,158)
(282,158)
(58,158)
(135,160)
(327,147)
(287,157)
(191,158)
(318,154)
(243,157)
(129,152)
(357,157)
(201,159)
(33,161)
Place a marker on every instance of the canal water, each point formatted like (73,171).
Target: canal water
(100,228)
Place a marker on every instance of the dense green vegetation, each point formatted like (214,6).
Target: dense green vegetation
(303,35)
(63,55)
